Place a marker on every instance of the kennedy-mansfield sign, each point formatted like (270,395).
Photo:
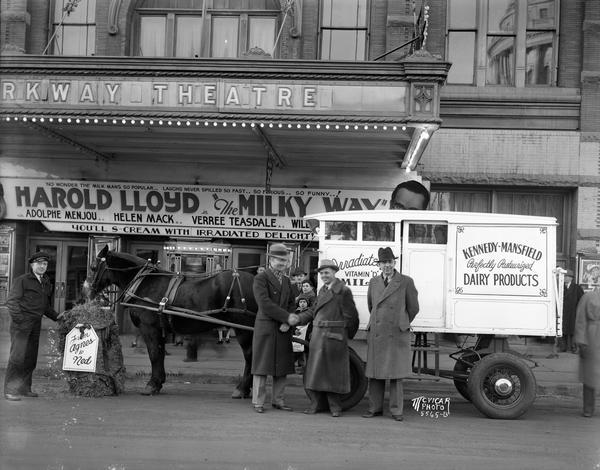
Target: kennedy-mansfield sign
(190,211)
(218,95)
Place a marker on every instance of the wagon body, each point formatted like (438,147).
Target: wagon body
(488,275)
(476,273)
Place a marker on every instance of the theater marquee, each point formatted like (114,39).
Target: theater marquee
(177,210)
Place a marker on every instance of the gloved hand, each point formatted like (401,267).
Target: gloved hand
(284,327)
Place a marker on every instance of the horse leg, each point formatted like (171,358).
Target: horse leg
(244,385)
(155,342)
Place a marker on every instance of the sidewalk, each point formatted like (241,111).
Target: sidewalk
(222,363)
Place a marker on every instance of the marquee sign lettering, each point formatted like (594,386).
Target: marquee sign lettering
(206,95)
(190,211)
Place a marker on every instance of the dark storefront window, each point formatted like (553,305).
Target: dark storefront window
(548,203)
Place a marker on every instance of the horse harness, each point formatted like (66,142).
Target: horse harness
(165,305)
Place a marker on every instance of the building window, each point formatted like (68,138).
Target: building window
(344,30)
(179,32)
(547,203)
(232,36)
(169,34)
(225,33)
(502,42)
(74,27)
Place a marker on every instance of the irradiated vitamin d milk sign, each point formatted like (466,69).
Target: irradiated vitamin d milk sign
(81,349)
(493,260)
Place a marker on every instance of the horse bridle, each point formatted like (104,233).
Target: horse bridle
(102,266)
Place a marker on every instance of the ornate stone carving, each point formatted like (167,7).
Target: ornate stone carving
(113,16)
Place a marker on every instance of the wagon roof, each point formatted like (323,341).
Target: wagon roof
(433,216)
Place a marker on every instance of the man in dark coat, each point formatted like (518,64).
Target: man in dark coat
(393,303)
(29,300)
(571,295)
(272,352)
(335,320)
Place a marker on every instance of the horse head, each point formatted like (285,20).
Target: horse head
(112,267)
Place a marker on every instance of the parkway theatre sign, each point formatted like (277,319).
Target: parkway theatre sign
(207,95)
(177,210)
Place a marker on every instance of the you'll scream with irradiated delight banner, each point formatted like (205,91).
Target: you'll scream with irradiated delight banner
(178,210)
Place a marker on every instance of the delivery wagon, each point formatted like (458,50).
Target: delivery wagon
(486,275)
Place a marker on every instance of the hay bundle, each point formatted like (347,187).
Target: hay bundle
(109,378)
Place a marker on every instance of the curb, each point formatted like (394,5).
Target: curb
(424,386)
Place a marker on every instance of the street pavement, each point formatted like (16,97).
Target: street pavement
(555,373)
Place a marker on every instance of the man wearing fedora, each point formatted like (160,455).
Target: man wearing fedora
(272,352)
(571,295)
(393,304)
(335,320)
(29,299)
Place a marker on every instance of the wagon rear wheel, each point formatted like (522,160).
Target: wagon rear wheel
(358,382)
(502,386)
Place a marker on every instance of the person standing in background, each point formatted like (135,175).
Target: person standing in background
(571,296)
(587,338)
(297,276)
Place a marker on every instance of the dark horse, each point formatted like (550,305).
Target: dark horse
(197,293)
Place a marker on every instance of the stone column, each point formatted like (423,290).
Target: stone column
(14,22)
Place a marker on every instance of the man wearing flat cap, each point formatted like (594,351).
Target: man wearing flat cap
(28,301)
(272,352)
(335,320)
(393,304)
(297,276)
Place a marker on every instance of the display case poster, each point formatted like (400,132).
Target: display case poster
(500,260)
(589,271)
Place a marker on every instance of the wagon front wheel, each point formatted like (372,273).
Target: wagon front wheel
(358,382)
(501,386)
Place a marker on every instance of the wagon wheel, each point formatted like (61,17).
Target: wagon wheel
(463,365)
(358,382)
(502,386)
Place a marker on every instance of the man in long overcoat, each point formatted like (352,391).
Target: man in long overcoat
(335,320)
(587,337)
(572,294)
(393,304)
(30,298)
(272,352)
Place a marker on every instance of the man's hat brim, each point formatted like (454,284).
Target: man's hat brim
(328,264)
(39,256)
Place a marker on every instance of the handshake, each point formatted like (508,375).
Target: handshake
(293,320)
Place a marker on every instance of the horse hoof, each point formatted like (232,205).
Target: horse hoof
(237,394)
(148,391)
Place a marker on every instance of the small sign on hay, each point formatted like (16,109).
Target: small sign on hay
(81,349)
